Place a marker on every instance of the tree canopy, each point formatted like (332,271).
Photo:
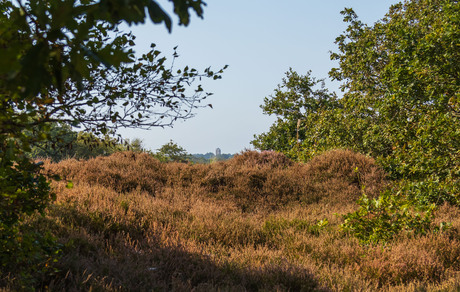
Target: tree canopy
(297,103)
(401,101)
(66,143)
(66,61)
(172,152)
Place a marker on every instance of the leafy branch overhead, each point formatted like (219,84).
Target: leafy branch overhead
(141,94)
(66,61)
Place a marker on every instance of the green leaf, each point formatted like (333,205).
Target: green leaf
(157,15)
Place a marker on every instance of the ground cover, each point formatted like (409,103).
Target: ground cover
(257,222)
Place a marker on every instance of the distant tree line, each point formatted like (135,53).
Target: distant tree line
(67,143)
(172,152)
(210,157)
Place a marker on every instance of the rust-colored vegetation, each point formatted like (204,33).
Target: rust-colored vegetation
(258,222)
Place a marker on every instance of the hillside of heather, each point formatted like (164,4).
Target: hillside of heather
(257,222)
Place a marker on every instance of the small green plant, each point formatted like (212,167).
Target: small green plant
(379,220)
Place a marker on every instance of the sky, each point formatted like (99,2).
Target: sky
(259,40)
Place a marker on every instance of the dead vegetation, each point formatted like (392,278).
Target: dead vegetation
(258,222)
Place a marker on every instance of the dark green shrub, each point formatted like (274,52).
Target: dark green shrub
(24,252)
(27,257)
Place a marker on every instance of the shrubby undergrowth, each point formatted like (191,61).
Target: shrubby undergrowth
(256,222)
(381,219)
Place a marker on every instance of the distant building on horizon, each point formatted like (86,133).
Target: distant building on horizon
(218,152)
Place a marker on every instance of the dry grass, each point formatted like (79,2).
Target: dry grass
(131,223)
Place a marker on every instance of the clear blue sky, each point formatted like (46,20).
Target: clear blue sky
(259,40)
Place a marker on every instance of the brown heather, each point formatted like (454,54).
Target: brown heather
(131,223)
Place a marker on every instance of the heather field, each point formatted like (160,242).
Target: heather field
(257,222)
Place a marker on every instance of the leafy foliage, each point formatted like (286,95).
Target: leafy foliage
(297,102)
(400,105)
(66,143)
(379,220)
(28,255)
(171,152)
(66,61)
(22,191)
(23,251)
(401,84)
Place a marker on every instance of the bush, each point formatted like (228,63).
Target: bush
(379,220)
(23,192)
(27,256)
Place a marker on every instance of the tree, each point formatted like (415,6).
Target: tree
(67,61)
(298,103)
(135,145)
(400,79)
(171,152)
(66,143)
